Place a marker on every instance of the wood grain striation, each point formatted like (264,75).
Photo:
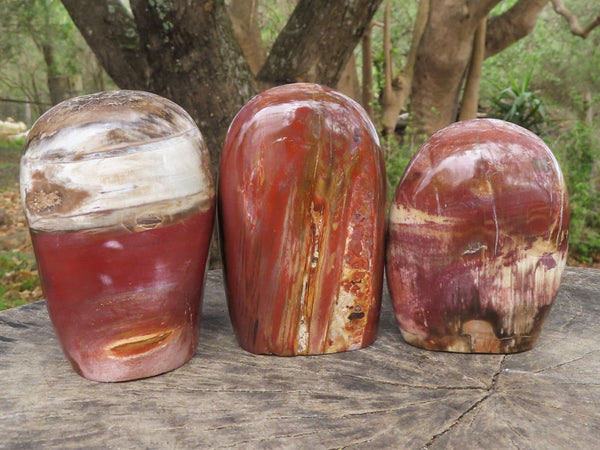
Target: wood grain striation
(389,395)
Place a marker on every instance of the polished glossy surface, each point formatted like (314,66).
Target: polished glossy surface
(477,239)
(119,198)
(301,198)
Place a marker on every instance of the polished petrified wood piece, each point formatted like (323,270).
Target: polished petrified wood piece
(477,239)
(119,198)
(301,199)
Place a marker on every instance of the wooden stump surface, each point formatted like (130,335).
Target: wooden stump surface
(390,395)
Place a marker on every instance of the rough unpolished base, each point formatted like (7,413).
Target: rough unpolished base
(478,337)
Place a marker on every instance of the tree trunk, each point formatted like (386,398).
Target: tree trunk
(588,108)
(445,51)
(397,90)
(348,83)
(187,51)
(367,72)
(516,23)
(470,99)
(442,59)
(44,42)
(244,17)
(110,31)
(319,37)
(389,99)
(210,80)
(54,86)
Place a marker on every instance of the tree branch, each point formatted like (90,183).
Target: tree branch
(571,18)
(110,31)
(470,98)
(244,18)
(397,87)
(367,72)
(318,33)
(516,23)
(481,8)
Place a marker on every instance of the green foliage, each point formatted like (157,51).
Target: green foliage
(10,155)
(566,68)
(12,146)
(397,157)
(564,64)
(39,44)
(579,158)
(519,105)
(18,278)
(273,15)
(402,19)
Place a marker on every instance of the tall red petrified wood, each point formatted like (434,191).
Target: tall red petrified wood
(477,239)
(301,204)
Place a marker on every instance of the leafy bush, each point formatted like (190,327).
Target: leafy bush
(517,104)
(579,155)
(397,157)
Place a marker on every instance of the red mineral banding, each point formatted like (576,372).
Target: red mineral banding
(118,194)
(302,200)
(122,302)
(477,239)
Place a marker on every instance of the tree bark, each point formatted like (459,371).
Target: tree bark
(442,59)
(397,87)
(516,23)
(318,39)
(348,83)
(388,97)
(367,72)
(152,51)
(470,98)
(573,21)
(187,51)
(244,17)
(111,33)
(588,108)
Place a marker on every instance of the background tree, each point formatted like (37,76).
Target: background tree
(211,56)
(450,45)
(43,58)
(187,51)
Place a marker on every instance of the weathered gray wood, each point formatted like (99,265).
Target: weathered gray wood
(390,395)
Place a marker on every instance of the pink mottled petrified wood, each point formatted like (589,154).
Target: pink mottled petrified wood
(477,239)
(301,203)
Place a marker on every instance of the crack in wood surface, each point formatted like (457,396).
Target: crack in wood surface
(564,363)
(427,387)
(514,430)
(362,441)
(558,408)
(389,395)
(471,408)
(565,380)
(575,308)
